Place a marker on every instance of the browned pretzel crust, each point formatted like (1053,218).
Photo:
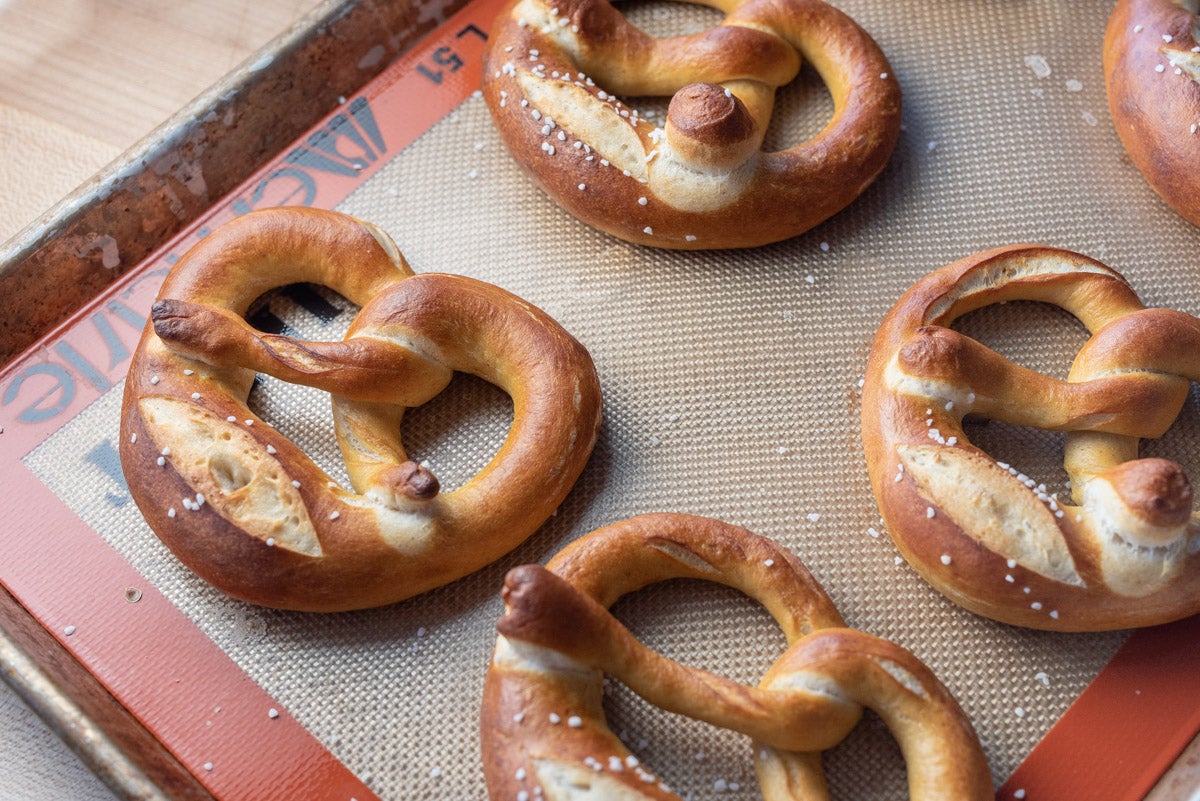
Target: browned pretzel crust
(249,511)
(553,69)
(1152,69)
(543,729)
(1126,553)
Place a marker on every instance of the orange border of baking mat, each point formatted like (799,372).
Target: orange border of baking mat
(237,741)
(1112,744)
(1126,727)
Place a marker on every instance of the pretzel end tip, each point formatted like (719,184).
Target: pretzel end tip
(1157,491)
(517,580)
(519,593)
(707,124)
(167,314)
(189,329)
(413,481)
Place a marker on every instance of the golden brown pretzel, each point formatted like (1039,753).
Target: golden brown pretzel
(552,69)
(543,727)
(246,508)
(1152,69)
(1127,552)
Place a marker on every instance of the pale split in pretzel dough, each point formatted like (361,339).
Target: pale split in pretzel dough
(555,72)
(1125,551)
(542,720)
(246,509)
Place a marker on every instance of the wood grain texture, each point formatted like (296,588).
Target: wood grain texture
(81,81)
(54,160)
(113,70)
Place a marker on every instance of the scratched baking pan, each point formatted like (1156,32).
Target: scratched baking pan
(731,385)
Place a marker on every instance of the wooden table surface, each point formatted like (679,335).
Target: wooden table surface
(81,81)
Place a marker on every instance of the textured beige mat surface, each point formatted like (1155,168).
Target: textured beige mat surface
(731,385)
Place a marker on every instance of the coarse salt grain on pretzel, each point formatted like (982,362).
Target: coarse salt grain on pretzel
(543,727)
(1152,70)
(553,72)
(1126,552)
(249,511)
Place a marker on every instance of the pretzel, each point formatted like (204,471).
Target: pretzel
(544,733)
(552,71)
(1152,74)
(246,509)
(1125,553)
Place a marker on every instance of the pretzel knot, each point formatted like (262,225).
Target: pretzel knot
(249,511)
(553,71)
(545,731)
(1126,553)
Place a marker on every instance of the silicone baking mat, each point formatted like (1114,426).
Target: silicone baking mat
(731,384)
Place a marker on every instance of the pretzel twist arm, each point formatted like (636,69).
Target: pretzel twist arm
(936,359)
(557,639)
(1162,341)
(241,260)
(545,610)
(647,549)
(359,368)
